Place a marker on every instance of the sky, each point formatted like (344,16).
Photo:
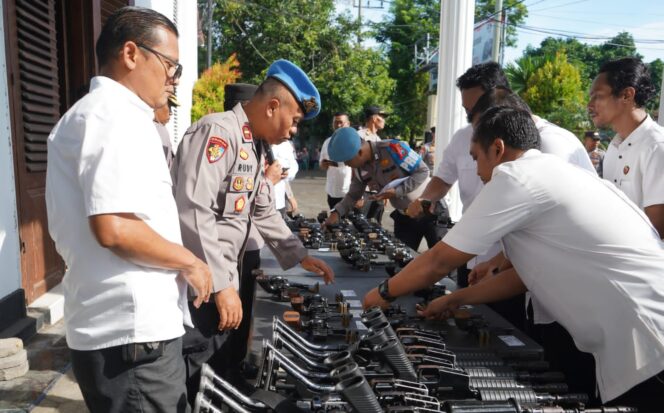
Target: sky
(644,19)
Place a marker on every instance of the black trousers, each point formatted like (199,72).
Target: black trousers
(110,384)
(411,231)
(222,350)
(647,396)
(373,209)
(331,201)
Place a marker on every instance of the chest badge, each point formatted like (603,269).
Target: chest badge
(626,170)
(243,154)
(384,162)
(246,133)
(216,148)
(250,184)
(238,183)
(240,203)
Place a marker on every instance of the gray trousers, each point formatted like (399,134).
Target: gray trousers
(109,384)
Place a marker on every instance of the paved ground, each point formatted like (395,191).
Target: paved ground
(50,385)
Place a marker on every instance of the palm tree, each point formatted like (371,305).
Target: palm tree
(519,72)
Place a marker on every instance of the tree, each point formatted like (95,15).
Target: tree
(656,67)
(520,72)
(208,93)
(554,92)
(315,38)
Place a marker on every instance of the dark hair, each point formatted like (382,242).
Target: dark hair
(629,72)
(428,137)
(486,75)
(498,96)
(340,114)
(135,24)
(514,126)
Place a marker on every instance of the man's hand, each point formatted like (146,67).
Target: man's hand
(415,209)
(440,308)
(359,204)
(332,219)
(229,307)
(273,172)
(319,267)
(293,203)
(385,195)
(199,277)
(481,271)
(373,299)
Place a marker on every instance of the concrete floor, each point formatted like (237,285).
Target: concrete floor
(50,385)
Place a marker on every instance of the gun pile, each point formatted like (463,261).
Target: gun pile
(397,365)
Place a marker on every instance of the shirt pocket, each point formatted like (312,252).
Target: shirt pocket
(238,191)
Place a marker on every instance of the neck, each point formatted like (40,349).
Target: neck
(371,128)
(628,122)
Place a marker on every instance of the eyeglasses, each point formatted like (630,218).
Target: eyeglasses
(174,71)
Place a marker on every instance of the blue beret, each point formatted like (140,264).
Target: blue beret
(344,145)
(300,86)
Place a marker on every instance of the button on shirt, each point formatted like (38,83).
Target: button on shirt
(602,282)
(636,164)
(338,177)
(104,157)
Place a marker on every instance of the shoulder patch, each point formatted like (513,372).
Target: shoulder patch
(247,136)
(404,156)
(215,149)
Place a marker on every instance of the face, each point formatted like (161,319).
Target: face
(486,160)
(356,162)
(340,122)
(590,144)
(155,68)
(284,115)
(378,121)
(604,108)
(469,98)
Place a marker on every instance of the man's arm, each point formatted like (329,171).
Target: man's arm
(354,194)
(655,214)
(435,190)
(130,238)
(424,271)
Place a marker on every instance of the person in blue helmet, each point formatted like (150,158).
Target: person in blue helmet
(395,172)
(221,192)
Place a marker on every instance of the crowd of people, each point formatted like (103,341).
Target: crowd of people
(159,246)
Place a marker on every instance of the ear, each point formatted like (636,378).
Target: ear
(129,55)
(498,147)
(628,94)
(272,105)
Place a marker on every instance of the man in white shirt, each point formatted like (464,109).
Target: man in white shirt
(634,160)
(114,221)
(603,283)
(284,153)
(338,174)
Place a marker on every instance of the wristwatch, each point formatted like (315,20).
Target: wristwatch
(384,291)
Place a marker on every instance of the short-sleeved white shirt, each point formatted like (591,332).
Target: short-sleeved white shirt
(105,156)
(338,177)
(564,144)
(586,252)
(285,154)
(636,164)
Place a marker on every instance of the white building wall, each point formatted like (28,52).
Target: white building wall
(184,14)
(10,263)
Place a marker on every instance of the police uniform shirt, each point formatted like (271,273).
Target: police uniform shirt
(105,157)
(392,159)
(368,136)
(587,253)
(636,164)
(219,184)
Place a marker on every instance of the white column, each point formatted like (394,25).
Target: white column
(10,261)
(660,117)
(455,57)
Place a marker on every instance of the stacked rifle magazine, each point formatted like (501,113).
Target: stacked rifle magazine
(321,352)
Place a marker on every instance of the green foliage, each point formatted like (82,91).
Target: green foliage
(516,14)
(656,68)
(208,94)
(554,92)
(522,70)
(310,34)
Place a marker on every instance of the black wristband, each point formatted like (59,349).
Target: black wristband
(384,291)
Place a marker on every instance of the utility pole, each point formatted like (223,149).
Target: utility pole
(497,32)
(359,22)
(210,11)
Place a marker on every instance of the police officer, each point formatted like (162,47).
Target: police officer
(395,171)
(221,191)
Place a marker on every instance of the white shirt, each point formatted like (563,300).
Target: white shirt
(338,177)
(636,164)
(285,154)
(564,144)
(587,253)
(105,156)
